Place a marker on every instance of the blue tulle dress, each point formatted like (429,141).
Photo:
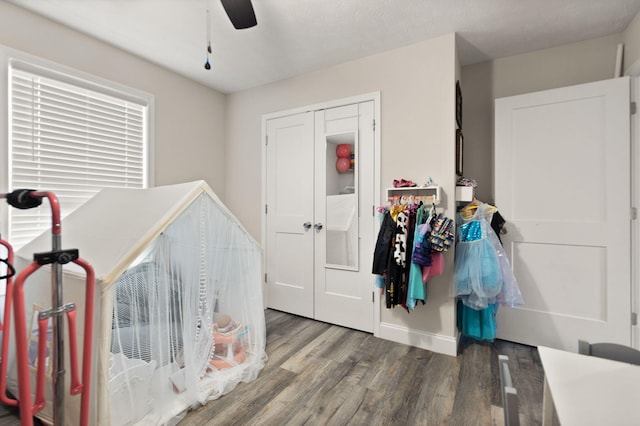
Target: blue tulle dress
(483,278)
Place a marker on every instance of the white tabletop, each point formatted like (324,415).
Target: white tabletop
(588,390)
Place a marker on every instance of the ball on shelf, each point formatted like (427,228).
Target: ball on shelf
(343,164)
(343,150)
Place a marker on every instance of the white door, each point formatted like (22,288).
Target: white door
(320,220)
(289,218)
(562,182)
(344,208)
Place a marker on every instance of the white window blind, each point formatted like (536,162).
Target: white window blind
(70,139)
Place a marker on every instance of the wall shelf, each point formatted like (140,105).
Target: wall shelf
(464,193)
(426,194)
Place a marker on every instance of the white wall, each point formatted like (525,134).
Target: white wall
(190,118)
(565,65)
(631,39)
(417,85)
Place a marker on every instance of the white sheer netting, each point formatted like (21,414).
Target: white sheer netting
(188,323)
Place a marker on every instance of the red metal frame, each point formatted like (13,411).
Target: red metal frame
(15,295)
(22,345)
(85,407)
(56,225)
(6,328)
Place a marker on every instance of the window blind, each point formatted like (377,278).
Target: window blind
(72,140)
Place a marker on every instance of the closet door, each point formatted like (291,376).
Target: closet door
(562,182)
(320,230)
(344,227)
(289,221)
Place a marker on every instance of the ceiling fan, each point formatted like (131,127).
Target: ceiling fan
(240,12)
(241,15)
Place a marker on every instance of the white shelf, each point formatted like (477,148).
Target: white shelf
(426,194)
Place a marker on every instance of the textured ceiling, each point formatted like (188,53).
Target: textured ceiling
(298,36)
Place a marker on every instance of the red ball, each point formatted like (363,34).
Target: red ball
(343,164)
(343,150)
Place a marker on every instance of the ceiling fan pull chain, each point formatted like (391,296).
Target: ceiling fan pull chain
(207,64)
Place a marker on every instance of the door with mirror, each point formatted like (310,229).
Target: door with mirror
(344,202)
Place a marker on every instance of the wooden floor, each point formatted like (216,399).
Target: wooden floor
(320,374)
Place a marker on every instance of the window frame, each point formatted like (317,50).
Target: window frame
(10,58)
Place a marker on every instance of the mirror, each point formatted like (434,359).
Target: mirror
(342,201)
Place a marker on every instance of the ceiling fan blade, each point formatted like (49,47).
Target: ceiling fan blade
(240,13)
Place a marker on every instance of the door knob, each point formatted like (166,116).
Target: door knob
(307,226)
(318,226)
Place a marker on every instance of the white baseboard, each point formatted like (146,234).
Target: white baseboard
(433,342)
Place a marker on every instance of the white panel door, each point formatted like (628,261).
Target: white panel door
(562,182)
(289,231)
(344,208)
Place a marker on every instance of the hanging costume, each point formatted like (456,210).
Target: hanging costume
(404,256)
(483,277)
(421,256)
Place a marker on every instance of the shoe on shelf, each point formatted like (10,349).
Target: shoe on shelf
(402,183)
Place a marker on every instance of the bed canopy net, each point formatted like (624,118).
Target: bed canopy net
(179,316)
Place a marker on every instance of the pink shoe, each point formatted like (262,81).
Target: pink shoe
(402,183)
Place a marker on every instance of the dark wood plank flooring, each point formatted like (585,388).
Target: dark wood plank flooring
(321,374)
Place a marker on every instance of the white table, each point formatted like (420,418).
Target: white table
(587,390)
